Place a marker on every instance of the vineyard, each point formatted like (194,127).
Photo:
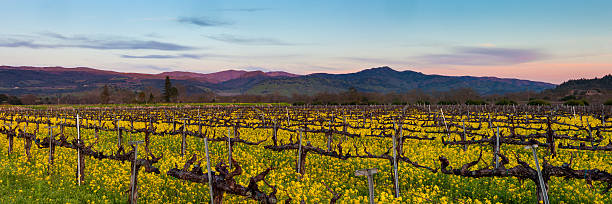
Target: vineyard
(312,154)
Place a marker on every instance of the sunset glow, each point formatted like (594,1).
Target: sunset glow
(550,41)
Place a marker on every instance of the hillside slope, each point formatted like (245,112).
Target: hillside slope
(385,79)
(52,80)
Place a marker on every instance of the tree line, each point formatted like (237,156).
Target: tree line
(176,93)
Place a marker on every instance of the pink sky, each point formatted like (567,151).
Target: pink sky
(546,72)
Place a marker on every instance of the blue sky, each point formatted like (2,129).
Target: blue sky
(539,40)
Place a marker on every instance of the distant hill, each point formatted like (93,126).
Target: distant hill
(385,79)
(52,80)
(580,88)
(604,83)
(222,76)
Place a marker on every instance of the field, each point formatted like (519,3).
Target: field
(443,154)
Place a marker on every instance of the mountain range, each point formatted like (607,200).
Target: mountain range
(53,80)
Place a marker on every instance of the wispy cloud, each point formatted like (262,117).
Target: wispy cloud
(23,43)
(482,56)
(191,56)
(247,40)
(56,40)
(202,21)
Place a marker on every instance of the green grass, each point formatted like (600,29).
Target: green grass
(15,188)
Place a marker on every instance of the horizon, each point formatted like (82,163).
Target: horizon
(510,39)
(270,71)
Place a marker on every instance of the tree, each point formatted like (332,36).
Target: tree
(505,102)
(576,102)
(105,95)
(538,102)
(30,99)
(450,102)
(475,102)
(141,97)
(12,100)
(151,98)
(170,91)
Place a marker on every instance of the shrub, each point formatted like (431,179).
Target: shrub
(447,103)
(538,102)
(299,103)
(567,98)
(505,102)
(608,102)
(575,102)
(422,102)
(475,102)
(398,103)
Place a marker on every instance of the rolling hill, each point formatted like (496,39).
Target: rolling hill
(385,79)
(53,80)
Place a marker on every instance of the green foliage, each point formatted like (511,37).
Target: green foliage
(299,103)
(422,102)
(13,100)
(604,83)
(505,102)
(447,103)
(475,102)
(399,103)
(538,102)
(151,98)
(608,102)
(567,98)
(170,91)
(105,95)
(575,102)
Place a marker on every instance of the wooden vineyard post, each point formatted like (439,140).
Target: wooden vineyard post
(10,137)
(463,137)
(395,176)
(489,117)
(173,125)
(199,126)
(51,150)
(370,174)
(497,148)
(80,160)
(210,188)
(542,185)
(229,148)
(183,136)
(119,133)
(299,161)
(445,126)
(134,177)
(329,136)
(550,136)
(275,132)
